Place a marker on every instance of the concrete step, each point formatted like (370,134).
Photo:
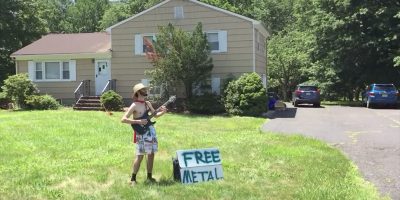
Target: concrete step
(88,108)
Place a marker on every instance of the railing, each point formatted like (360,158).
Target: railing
(83,89)
(111,85)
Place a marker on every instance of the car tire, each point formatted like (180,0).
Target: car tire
(317,105)
(295,104)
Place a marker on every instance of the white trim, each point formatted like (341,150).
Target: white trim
(258,24)
(63,56)
(254,50)
(32,71)
(16,67)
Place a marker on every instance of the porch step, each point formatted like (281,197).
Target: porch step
(88,103)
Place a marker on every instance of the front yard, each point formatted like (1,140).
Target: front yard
(67,154)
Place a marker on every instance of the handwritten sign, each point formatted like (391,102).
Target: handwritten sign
(200,165)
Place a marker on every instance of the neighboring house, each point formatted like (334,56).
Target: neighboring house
(238,46)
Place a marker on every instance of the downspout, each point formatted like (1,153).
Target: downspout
(254,50)
(16,66)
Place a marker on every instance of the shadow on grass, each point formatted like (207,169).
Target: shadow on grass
(162,182)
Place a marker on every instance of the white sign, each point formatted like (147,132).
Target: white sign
(200,165)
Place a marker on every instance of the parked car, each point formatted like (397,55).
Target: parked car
(380,94)
(306,94)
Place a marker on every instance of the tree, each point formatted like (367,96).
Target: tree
(19,26)
(85,15)
(181,57)
(288,60)
(54,13)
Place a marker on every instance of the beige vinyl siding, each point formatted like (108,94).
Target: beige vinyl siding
(261,54)
(129,68)
(65,89)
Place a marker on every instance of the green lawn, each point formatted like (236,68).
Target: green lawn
(67,154)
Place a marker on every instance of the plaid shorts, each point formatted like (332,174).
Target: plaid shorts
(147,143)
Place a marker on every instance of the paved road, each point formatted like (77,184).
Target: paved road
(369,137)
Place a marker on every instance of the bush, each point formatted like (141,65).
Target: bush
(18,88)
(42,102)
(206,104)
(4,100)
(112,101)
(246,96)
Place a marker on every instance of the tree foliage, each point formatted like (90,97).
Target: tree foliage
(182,57)
(19,26)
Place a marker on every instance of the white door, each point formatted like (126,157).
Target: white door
(102,74)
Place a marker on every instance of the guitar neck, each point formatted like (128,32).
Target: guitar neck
(154,114)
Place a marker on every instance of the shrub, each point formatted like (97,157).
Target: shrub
(112,101)
(42,102)
(18,88)
(246,96)
(206,104)
(4,100)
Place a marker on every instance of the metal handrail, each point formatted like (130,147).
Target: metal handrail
(111,85)
(83,89)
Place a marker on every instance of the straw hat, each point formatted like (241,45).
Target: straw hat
(138,87)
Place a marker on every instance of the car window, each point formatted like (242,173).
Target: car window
(385,87)
(308,88)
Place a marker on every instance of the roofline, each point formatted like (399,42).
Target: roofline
(106,55)
(137,15)
(256,23)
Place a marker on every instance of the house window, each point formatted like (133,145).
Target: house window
(217,41)
(143,43)
(52,71)
(178,12)
(154,90)
(38,71)
(213,41)
(65,71)
(148,43)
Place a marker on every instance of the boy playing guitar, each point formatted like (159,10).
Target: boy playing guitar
(146,143)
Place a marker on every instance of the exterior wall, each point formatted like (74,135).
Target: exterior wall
(129,68)
(261,53)
(65,90)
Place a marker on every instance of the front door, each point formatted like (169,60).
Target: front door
(102,74)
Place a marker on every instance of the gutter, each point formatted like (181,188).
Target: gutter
(254,50)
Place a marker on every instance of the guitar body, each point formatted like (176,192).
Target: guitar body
(142,129)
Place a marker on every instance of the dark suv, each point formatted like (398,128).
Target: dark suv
(306,94)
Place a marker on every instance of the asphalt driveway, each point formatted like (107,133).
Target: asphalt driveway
(369,137)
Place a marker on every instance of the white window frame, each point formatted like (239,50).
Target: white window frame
(71,69)
(222,40)
(146,82)
(139,50)
(178,12)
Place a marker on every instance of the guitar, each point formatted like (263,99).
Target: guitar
(142,129)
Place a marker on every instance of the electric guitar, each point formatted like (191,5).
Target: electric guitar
(142,129)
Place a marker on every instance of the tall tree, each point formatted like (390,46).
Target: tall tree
(19,26)
(85,15)
(181,57)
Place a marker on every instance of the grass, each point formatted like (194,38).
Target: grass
(87,155)
(343,103)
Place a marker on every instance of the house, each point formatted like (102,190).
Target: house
(59,63)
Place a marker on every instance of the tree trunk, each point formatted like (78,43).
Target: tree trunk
(188,90)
